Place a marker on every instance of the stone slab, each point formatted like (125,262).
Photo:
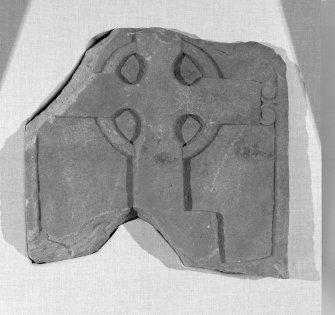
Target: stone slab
(186,134)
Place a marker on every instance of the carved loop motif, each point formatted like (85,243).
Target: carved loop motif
(268,114)
(268,108)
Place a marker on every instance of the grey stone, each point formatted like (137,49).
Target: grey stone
(188,135)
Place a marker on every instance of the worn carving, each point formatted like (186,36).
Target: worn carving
(188,135)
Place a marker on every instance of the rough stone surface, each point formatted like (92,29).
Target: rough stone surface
(188,135)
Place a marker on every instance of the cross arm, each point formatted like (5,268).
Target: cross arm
(225,101)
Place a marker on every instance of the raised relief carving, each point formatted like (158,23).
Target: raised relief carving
(188,135)
(268,114)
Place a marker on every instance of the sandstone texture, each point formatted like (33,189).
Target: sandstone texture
(186,134)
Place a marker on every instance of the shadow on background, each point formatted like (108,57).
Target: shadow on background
(12,191)
(328,118)
(303,21)
(11,16)
(328,153)
(152,242)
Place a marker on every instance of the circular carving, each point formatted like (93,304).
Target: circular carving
(269,90)
(268,115)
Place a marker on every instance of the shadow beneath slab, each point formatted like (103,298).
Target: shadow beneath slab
(303,21)
(12,209)
(12,13)
(152,242)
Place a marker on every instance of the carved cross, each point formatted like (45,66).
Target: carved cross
(187,135)
(161,82)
